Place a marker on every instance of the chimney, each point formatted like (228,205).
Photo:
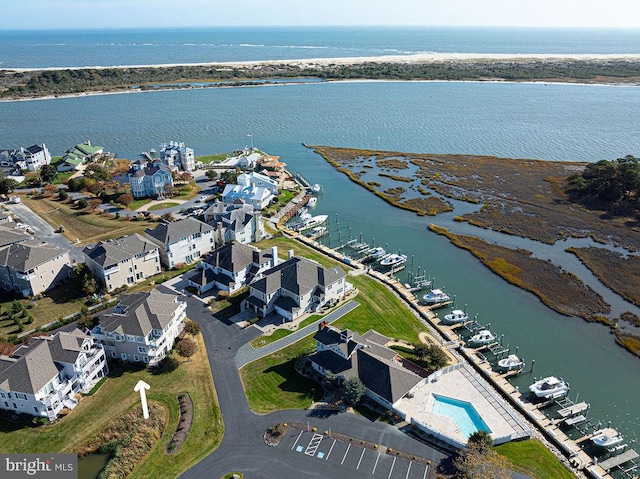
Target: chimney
(274,256)
(290,254)
(322,325)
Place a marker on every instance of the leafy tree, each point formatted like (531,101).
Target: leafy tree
(230,176)
(48,173)
(83,203)
(186,348)
(431,356)
(76,184)
(482,439)
(125,199)
(62,194)
(477,462)
(7,185)
(211,174)
(94,203)
(352,390)
(98,172)
(192,328)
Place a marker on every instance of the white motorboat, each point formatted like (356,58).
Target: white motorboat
(393,260)
(309,222)
(436,296)
(606,437)
(511,363)
(376,253)
(456,316)
(482,337)
(549,387)
(312,202)
(316,188)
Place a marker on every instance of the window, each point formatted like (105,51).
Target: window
(146,359)
(3,395)
(123,356)
(36,409)
(142,349)
(21,396)
(114,354)
(136,358)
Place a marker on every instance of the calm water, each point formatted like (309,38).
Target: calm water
(560,122)
(31,49)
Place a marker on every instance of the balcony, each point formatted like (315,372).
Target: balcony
(25,277)
(112,269)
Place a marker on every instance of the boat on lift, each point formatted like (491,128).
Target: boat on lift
(375,254)
(436,296)
(393,260)
(482,338)
(550,387)
(456,316)
(606,437)
(511,363)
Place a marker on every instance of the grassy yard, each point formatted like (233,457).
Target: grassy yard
(283,198)
(262,341)
(88,228)
(114,398)
(284,244)
(271,383)
(532,458)
(135,204)
(215,158)
(162,206)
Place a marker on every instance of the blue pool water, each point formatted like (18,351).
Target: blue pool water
(463,414)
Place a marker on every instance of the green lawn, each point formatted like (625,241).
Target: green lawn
(532,458)
(280,333)
(284,244)
(135,204)
(215,158)
(115,398)
(162,206)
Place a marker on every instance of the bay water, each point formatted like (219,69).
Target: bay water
(541,121)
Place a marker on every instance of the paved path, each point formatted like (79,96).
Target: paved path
(247,353)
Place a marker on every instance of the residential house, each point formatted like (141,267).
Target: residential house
(79,154)
(257,180)
(295,287)
(231,267)
(273,168)
(142,327)
(176,155)
(387,377)
(32,158)
(252,188)
(182,241)
(43,377)
(237,221)
(10,234)
(124,261)
(31,267)
(149,179)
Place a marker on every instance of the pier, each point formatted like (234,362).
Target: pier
(570,415)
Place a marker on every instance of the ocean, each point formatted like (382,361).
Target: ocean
(77,48)
(520,120)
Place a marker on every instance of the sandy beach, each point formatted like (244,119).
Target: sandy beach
(417,58)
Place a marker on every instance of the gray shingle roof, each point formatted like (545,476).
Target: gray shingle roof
(108,253)
(9,235)
(170,233)
(297,275)
(139,313)
(34,365)
(27,255)
(233,257)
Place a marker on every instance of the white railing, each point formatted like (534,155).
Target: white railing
(25,277)
(438,435)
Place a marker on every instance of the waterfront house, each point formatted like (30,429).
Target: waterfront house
(142,327)
(149,179)
(231,267)
(182,241)
(237,221)
(295,287)
(31,267)
(386,376)
(177,156)
(31,159)
(43,377)
(79,154)
(257,180)
(123,261)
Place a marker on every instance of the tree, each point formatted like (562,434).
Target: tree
(94,203)
(477,462)
(230,176)
(48,173)
(125,199)
(211,174)
(352,390)
(7,185)
(186,348)
(82,203)
(431,356)
(482,439)
(96,171)
(62,194)
(192,328)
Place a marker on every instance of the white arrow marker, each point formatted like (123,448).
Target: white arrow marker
(141,386)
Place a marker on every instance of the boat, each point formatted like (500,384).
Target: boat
(549,387)
(316,188)
(606,437)
(312,202)
(312,221)
(436,296)
(456,316)
(511,363)
(482,338)
(393,260)
(317,232)
(376,253)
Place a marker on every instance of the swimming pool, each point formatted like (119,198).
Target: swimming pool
(463,414)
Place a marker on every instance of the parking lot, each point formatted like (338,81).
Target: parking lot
(355,459)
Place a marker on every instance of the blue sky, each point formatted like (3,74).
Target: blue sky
(64,14)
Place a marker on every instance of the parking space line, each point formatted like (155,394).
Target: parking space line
(345,454)
(408,471)
(330,449)
(376,464)
(392,464)
(426,469)
(361,456)
(312,447)
(297,439)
